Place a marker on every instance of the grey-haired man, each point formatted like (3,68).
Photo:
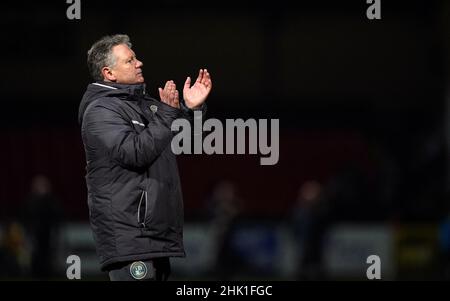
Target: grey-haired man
(134,194)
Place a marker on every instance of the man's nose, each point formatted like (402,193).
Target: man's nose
(139,64)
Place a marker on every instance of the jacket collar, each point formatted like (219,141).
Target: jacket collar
(135,89)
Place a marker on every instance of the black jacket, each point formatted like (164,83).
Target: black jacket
(134,194)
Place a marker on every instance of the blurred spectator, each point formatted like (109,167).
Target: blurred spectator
(444,243)
(13,255)
(42,217)
(385,180)
(309,218)
(444,250)
(349,195)
(420,195)
(224,207)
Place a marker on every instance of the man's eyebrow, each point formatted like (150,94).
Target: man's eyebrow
(129,57)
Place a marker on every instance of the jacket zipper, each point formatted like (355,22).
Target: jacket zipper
(143,197)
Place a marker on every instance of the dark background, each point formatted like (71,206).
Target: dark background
(363,104)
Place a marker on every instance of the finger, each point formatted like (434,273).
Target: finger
(204,77)
(166,91)
(160,93)
(172,92)
(200,75)
(176,99)
(187,83)
(166,86)
(208,82)
(165,95)
(173,87)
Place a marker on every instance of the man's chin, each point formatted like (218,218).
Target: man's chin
(135,81)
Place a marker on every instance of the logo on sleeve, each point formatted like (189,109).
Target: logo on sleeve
(153,108)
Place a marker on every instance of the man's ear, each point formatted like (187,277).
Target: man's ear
(108,74)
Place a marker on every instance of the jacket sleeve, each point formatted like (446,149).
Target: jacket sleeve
(189,113)
(107,129)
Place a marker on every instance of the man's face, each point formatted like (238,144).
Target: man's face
(127,68)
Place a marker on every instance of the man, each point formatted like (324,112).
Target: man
(134,194)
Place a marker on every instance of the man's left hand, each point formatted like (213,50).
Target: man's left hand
(169,94)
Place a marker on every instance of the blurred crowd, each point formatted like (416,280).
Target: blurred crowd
(29,240)
(398,190)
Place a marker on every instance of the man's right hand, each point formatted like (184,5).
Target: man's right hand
(169,94)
